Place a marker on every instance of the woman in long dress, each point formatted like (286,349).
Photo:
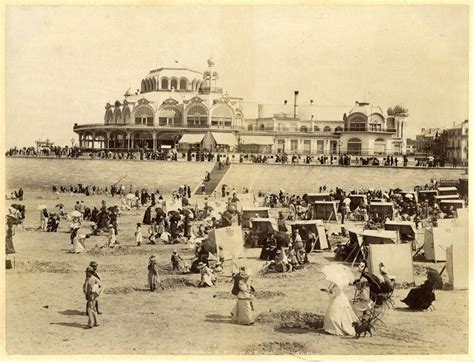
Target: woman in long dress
(339,314)
(242,312)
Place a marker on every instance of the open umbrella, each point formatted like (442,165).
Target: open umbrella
(338,274)
(59,205)
(41,207)
(75,213)
(409,196)
(130,196)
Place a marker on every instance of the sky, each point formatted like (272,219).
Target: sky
(63,64)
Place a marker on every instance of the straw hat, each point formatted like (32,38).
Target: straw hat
(93,264)
(153,257)
(201,265)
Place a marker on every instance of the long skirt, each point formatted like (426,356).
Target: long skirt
(242,312)
(339,317)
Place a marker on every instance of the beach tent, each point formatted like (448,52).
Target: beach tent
(317,227)
(225,242)
(318,197)
(357,200)
(444,205)
(457,262)
(406,229)
(438,239)
(263,225)
(252,212)
(383,209)
(379,237)
(443,191)
(440,198)
(427,195)
(396,258)
(325,210)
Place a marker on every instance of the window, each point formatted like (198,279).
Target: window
(222,116)
(354,146)
(182,84)
(307,147)
(164,83)
(144,115)
(170,116)
(250,127)
(197,116)
(304,129)
(327,129)
(320,146)
(294,145)
(357,124)
(338,129)
(174,84)
(262,127)
(316,129)
(379,146)
(280,146)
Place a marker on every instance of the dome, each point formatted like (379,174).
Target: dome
(366,109)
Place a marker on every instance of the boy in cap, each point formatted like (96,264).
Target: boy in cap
(92,289)
(153,277)
(94,266)
(176,260)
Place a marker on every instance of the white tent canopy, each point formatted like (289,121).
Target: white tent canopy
(192,138)
(225,139)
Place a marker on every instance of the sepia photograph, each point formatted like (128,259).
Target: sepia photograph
(237,180)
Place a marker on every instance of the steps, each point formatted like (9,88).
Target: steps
(216,177)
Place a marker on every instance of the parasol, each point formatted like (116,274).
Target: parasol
(338,274)
(130,196)
(409,196)
(59,205)
(41,207)
(75,213)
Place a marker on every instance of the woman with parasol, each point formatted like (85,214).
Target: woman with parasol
(339,314)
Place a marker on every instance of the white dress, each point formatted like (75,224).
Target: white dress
(339,314)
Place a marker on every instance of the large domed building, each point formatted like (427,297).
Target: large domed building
(182,109)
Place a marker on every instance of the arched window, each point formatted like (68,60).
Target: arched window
(174,84)
(144,115)
(99,141)
(304,129)
(197,116)
(87,141)
(153,84)
(164,83)
(118,139)
(379,146)
(170,116)
(142,140)
(316,129)
(118,115)
(354,146)
(143,86)
(357,124)
(222,116)
(183,83)
(109,116)
(338,129)
(327,129)
(126,115)
(250,127)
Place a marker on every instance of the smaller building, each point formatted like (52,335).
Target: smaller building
(411,147)
(457,143)
(424,141)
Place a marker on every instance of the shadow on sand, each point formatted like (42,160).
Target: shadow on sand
(72,312)
(219,318)
(70,324)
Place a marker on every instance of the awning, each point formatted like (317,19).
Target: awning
(256,140)
(225,139)
(192,138)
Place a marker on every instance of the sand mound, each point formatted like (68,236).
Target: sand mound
(44,267)
(265,294)
(177,282)
(292,319)
(277,348)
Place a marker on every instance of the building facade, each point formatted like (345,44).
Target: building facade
(182,109)
(424,142)
(457,143)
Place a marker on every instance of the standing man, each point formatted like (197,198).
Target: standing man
(92,291)
(94,266)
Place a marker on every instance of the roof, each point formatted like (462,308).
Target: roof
(386,234)
(168,68)
(224,138)
(304,111)
(192,138)
(257,140)
(366,109)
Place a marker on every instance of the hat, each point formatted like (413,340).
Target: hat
(244,272)
(201,265)
(89,269)
(93,264)
(153,257)
(175,251)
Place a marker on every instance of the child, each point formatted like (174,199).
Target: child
(176,260)
(153,278)
(138,234)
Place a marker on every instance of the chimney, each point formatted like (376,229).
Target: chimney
(295,106)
